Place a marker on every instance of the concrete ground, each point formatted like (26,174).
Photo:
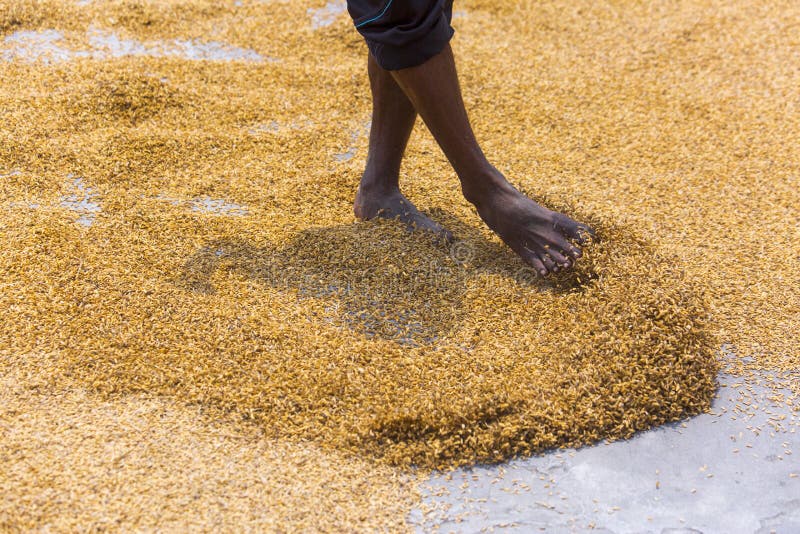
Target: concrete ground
(736,469)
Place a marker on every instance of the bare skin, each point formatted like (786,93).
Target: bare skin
(393,118)
(546,240)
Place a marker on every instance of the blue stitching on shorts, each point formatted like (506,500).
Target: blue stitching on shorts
(373,19)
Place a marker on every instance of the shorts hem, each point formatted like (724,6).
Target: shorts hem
(413,54)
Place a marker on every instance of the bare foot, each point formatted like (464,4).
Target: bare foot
(545,239)
(393,204)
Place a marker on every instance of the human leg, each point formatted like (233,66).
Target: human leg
(393,119)
(410,40)
(543,238)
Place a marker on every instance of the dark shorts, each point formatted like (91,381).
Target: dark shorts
(403,33)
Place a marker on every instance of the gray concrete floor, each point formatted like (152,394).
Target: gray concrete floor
(734,470)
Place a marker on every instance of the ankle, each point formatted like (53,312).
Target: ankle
(482,185)
(376,189)
(378,184)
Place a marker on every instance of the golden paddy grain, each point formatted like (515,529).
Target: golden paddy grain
(208,255)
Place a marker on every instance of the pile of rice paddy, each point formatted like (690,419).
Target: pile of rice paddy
(73,462)
(180,227)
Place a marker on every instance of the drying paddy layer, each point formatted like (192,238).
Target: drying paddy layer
(177,224)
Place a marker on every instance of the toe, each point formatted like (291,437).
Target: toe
(559,246)
(573,251)
(561,259)
(584,234)
(533,259)
(547,260)
(567,250)
(573,229)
